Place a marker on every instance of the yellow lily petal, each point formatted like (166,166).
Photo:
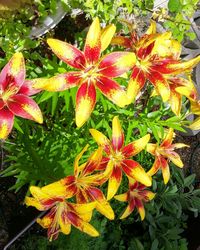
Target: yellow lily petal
(106,36)
(152,28)
(78,157)
(184,66)
(135,147)
(196,124)
(114,182)
(100,138)
(117,134)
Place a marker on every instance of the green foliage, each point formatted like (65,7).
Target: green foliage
(180,12)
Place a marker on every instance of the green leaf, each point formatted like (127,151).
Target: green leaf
(155,244)
(174,5)
(189,180)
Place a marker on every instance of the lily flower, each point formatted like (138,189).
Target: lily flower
(179,87)
(163,154)
(118,156)
(86,183)
(62,213)
(14,95)
(157,55)
(92,71)
(136,196)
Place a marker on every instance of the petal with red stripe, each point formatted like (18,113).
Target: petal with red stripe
(93,162)
(114,182)
(32,87)
(140,208)
(165,170)
(6,123)
(136,83)
(135,147)
(134,170)
(122,41)
(85,102)
(116,63)
(101,140)
(156,166)
(168,138)
(79,223)
(62,82)
(117,134)
(175,101)
(129,209)
(112,90)
(25,107)
(12,75)
(102,205)
(67,53)
(161,85)
(92,47)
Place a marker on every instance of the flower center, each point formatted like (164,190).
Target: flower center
(89,72)
(116,157)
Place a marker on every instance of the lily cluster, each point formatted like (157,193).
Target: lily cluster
(106,164)
(153,58)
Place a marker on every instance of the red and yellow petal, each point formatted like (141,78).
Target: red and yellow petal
(65,187)
(114,182)
(117,134)
(165,170)
(80,224)
(135,147)
(112,90)
(122,197)
(180,67)
(175,158)
(85,102)
(185,87)
(195,107)
(148,195)
(12,75)
(136,83)
(122,41)
(84,211)
(67,53)
(82,196)
(101,140)
(156,166)
(78,157)
(6,123)
(25,107)
(32,87)
(62,82)
(168,138)
(102,205)
(106,35)
(175,101)
(42,200)
(134,170)
(129,209)
(161,85)
(93,162)
(151,148)
(92,47)
(116,63)
(140,208)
